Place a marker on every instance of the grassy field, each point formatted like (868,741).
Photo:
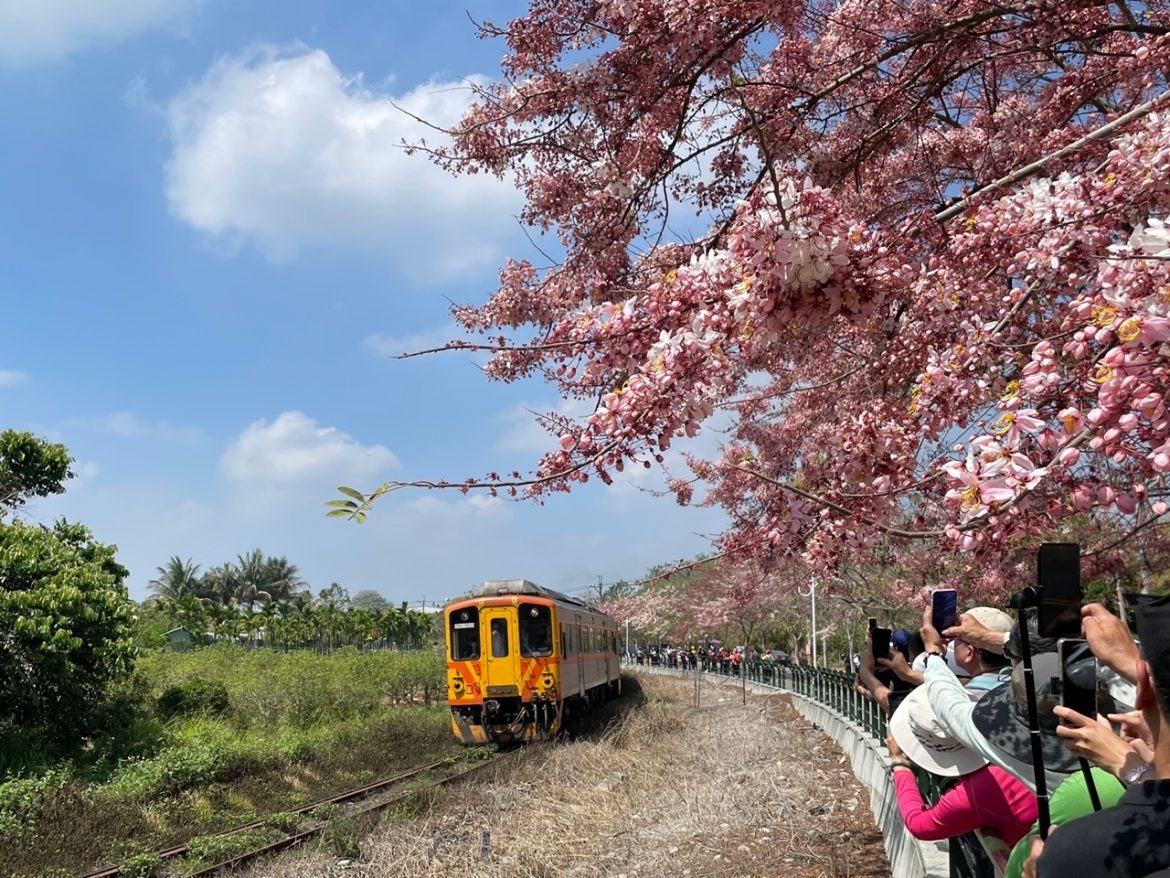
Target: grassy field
(223,736)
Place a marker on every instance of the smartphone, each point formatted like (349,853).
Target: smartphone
(880,640)
(944,609)
(1058,573)
(1078,676)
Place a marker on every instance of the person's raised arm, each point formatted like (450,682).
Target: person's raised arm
(898,664)
(1110,640)
(974,632)
(878,689)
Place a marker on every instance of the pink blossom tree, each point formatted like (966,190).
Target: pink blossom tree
(744,596)
(917,251)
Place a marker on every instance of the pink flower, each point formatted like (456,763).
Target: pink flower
(974,495)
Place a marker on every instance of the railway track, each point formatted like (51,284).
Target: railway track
(381,794)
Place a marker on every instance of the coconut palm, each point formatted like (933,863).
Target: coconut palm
(176,579)
(281,578)
(220,583)
(252,580)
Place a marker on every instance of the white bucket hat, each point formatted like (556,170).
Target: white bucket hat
(917,731)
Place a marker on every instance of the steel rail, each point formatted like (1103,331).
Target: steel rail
(347,796)
(297,837)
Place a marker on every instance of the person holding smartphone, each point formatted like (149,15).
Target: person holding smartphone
(1133,836)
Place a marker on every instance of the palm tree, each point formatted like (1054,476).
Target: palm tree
(189,612)
(252,581)
(281,578)
(176,579)
(220,583)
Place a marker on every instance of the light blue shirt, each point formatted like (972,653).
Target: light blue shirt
(954,708)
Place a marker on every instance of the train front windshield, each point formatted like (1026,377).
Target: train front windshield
(535,630)
(465,634)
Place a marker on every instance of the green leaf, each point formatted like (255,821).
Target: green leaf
(352,492)
(339,513)
(341,504)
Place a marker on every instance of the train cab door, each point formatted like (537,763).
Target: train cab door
(501,653)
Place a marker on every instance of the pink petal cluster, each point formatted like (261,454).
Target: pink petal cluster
(918,252)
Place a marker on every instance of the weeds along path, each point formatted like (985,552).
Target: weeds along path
(665,789)
(215,854)
(218,737)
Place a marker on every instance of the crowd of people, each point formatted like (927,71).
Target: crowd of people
(710,657)
(958,708)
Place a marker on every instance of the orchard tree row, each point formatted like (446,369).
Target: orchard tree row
(299,623)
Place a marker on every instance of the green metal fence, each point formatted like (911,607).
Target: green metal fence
(836,690)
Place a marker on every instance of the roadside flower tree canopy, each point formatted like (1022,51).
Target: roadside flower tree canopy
(917,250)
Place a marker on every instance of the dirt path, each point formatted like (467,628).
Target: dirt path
(668,791)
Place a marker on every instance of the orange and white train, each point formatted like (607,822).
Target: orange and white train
(523,659)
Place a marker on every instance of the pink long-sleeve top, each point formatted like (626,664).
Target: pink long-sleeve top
(989,799)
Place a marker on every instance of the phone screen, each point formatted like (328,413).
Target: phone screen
(880,638)
(1078,676)
(1058,573)
(944,609)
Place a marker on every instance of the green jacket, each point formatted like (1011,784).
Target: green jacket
(1069,801)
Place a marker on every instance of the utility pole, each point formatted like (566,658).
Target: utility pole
(600,590)
(812,634)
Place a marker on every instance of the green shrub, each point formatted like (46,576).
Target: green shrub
(325,812)
(340,838)
(145,865)
(200,752)
(217,848)
(192,697)
(285,821)
(23,800)
(299,689)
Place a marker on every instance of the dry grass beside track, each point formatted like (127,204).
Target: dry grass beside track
(668,791)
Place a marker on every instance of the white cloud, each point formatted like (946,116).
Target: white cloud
(283,151)
(12,377)
(128,425)
(35,31)
(294,450)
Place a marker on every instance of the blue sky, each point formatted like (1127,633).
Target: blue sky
(211,244)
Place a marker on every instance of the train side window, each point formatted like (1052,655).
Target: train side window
(465,634)
(499,638)
(535,630)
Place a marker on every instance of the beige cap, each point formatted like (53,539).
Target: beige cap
(990,617)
